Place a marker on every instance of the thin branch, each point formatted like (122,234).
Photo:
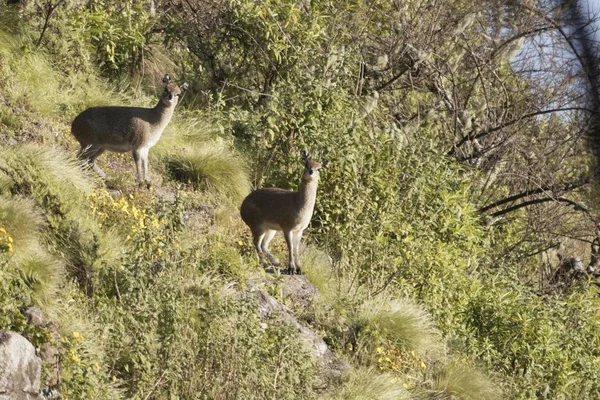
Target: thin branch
(576,205)
(565,187)
(49,10)
(509,123)
(393,79)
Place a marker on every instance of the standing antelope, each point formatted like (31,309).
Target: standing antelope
(123,129)
(269,210)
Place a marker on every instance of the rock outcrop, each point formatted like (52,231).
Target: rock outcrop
(269,307)
(20,368)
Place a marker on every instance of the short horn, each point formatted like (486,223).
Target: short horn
(167,79)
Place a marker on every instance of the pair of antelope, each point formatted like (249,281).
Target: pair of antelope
(136,130)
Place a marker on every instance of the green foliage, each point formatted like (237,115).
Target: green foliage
(541,343)
(14,293)
(176,327)
(118,31)
(59,186)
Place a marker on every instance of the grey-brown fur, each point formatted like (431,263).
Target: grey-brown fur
(269,210)
(124,129)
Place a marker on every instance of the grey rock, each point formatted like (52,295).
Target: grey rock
(35,316)
(20,368)
(299,291)
(268,307)
(51,357)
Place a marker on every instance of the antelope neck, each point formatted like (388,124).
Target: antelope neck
(307,192)
(164,111)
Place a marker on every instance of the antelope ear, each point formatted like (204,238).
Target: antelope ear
(305,156)
(184,87)
(324,163)
(166,79)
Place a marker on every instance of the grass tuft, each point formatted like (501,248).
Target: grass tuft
(61,188)
(47,173)
(317,268)
(399,321)
(465,383)
(366,383)
(24,224)
(193,153)
(213,168)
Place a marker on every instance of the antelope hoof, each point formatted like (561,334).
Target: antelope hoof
(269,269)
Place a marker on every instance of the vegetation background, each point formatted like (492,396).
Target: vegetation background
(454,242)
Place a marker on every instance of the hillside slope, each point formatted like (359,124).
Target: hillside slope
(417,284)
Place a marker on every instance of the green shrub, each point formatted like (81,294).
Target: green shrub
(118,31)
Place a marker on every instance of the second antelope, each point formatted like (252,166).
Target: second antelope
(269,210)
(123,129)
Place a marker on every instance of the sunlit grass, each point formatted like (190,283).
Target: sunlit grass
(465,383)
(42,171)
(316,266)
(212,167)
(366,384)
(24,225)
(399,321)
